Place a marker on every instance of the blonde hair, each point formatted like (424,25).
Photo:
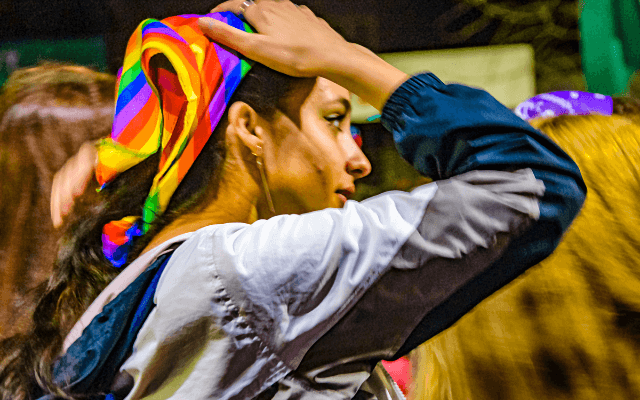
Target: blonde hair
(570,327)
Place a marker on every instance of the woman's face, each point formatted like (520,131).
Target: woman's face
(311,164)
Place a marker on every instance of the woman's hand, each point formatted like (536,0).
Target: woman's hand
(71,181)
(292,40)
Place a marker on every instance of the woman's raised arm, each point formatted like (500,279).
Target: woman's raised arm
(292,40)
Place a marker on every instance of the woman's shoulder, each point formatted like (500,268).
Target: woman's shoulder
(118,285)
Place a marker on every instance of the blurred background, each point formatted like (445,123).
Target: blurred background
(94,32)
(460,40)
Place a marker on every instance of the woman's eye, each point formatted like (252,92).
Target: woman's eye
(335,120)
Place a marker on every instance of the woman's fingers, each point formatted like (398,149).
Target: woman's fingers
(290,39)
(227,35)
(84,168)
(255,46)
(221,7)
(235,6)
(71,181)
(224,6)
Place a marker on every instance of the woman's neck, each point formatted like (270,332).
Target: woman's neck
(236,201)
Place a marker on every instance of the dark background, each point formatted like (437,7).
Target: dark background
(383,26)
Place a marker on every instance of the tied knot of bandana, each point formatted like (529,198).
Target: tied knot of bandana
(569,102)
(171,107)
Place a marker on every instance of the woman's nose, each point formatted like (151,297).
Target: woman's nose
(358,164)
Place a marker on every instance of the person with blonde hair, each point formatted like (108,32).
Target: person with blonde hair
(570,327)
(223,258)
(47,114)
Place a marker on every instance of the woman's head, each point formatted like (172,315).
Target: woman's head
(175,96)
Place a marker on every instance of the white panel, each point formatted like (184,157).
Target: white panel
(504,71)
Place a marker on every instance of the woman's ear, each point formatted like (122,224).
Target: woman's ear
(244,126)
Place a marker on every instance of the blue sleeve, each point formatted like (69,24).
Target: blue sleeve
(446,130)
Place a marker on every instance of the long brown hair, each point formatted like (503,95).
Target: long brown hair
(81,271)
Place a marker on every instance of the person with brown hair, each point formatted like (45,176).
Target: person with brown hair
(47,113)
(570,327)
(223,259)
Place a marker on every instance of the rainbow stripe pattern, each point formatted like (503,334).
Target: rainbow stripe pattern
(172,108)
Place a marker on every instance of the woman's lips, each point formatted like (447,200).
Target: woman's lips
(345,194)
(343,198)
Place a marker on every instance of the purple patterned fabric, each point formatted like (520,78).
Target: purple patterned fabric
(569,102)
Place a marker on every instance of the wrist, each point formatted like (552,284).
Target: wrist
(363,73)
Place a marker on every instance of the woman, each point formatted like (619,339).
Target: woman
(255,277)
(46,114)
(570,327)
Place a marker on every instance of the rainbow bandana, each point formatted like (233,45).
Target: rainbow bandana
(158,109)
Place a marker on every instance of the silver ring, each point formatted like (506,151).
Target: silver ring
(245,4)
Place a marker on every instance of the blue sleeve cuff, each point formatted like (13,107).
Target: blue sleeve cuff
(397,103)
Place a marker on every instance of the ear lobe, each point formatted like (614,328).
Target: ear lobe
(244,124)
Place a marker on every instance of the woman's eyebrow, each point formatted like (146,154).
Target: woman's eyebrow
(342,101)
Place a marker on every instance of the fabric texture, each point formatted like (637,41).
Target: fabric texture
(261,294)
(91,363)
(465,228)
(213,343)
(314,312)
(171,106)
(120,283)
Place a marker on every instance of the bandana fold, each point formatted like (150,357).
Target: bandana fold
(169,108)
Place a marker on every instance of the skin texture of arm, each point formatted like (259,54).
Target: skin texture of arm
(292,40)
